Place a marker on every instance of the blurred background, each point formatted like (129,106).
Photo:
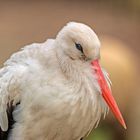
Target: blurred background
(117,23)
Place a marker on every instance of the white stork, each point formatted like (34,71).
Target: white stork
(56,90)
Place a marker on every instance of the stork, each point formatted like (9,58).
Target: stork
(56,90)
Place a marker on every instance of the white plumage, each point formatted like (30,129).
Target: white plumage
(59,95)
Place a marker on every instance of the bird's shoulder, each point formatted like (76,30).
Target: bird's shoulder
(13,73)
(36,52)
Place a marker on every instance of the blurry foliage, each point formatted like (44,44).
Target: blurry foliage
(100,134)
(131,6)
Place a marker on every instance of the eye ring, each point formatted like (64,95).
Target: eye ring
(79,47)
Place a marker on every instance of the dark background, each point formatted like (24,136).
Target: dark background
(117,23)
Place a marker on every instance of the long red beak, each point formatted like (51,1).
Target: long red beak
(106,93)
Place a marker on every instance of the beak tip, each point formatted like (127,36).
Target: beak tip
(124,126)
(122,122)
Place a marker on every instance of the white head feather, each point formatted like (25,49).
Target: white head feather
(81,34)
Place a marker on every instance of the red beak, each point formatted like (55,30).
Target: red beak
(106,93)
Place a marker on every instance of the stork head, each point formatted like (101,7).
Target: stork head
(79,42)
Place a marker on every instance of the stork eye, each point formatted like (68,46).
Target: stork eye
(79,47)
